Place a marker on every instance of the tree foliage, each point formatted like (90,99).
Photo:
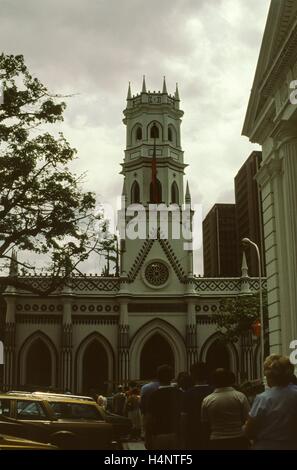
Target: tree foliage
(237,315)
(42,206)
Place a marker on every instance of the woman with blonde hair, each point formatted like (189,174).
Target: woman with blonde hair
(273,416)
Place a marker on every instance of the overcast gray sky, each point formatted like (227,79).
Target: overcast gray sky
(94,47)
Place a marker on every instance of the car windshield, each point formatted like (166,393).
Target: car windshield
(64,410)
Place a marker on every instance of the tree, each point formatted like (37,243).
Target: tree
(42,206)
(238,314)
(108,245)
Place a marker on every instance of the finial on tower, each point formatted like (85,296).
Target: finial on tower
(188,195)
(164,91)
(244,266)
(124,190)
(143,85)
(129,95)
(176,96)
(13,268)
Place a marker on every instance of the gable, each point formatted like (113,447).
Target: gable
(166,249)
(281,19)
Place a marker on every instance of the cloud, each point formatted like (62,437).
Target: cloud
(92,48)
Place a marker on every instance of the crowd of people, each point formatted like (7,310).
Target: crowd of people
(198,411)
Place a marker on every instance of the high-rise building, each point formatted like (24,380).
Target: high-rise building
(248,211)
(226,225)
(220,242)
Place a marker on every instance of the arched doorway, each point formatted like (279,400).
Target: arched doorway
(94,368)
(38,364)
(155,352)
(217,356)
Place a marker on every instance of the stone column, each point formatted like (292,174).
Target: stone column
(289,154)
(9,379)
(66,346)
(286,137)
(191,335)
(123,344)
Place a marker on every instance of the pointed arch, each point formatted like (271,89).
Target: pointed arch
(171,134)
(229,347)
(168,333)
(135,193)
(137,133)
(44,348)
(80,356)
(155,351)
(174,193)
(155,130)
(158,191)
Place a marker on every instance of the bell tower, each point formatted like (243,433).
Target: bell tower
(153,118)
(153,166)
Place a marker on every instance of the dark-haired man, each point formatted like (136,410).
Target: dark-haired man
(163,413)
(193,432)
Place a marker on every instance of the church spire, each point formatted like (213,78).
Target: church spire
(143,85)
(244,266)
(188,195)
(176,95)
(13,268)
(129,95)
(164,91)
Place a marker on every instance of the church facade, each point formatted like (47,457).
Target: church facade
(97,331)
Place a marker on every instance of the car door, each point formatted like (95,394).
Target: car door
(8,424)
(32,416)
(85,422)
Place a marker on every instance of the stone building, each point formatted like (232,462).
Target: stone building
(97,331)
(271,121)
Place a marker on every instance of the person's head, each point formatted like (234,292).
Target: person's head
(132,385)
(278,370)
(223,378)
(199,372)
(184,380)
(165,374)
(120,388)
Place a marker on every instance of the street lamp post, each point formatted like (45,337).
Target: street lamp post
(247,241)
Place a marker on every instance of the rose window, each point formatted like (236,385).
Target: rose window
(156,273)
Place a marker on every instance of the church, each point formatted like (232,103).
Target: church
(96,331)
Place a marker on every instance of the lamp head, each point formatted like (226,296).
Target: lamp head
(246,241)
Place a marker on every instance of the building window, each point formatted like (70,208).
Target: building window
(170,136)
(156,192)
(154,132)
(138,133)
(156,273)
(174,193)
(135,193)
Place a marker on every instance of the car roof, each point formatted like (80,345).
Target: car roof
(19,395)
(66,396)
(43,396)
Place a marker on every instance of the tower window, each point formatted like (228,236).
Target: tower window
(170,137)
(138,133)
(135,193)
(156,192)
(174,193)
(154,132)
